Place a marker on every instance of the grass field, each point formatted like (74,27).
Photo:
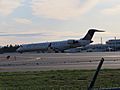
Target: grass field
(58,80)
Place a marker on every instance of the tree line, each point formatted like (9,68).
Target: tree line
(9,48)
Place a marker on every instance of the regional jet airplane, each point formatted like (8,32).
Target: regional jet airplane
(59,46)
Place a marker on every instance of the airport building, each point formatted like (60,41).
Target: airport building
(114,43)
(111,45)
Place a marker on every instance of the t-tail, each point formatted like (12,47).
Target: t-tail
(90,34)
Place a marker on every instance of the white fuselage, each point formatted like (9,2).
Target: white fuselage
(56,46)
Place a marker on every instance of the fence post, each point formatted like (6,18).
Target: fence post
(95,75)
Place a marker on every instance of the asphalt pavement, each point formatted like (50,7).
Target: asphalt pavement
(57,61)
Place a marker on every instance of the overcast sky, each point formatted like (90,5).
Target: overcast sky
(32,21)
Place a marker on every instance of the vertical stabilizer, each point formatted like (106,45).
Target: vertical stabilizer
(90,34)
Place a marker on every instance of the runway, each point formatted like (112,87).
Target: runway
(57,61)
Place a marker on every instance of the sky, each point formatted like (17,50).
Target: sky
(33,21)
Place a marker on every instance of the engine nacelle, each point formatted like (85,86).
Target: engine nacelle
(72,41)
